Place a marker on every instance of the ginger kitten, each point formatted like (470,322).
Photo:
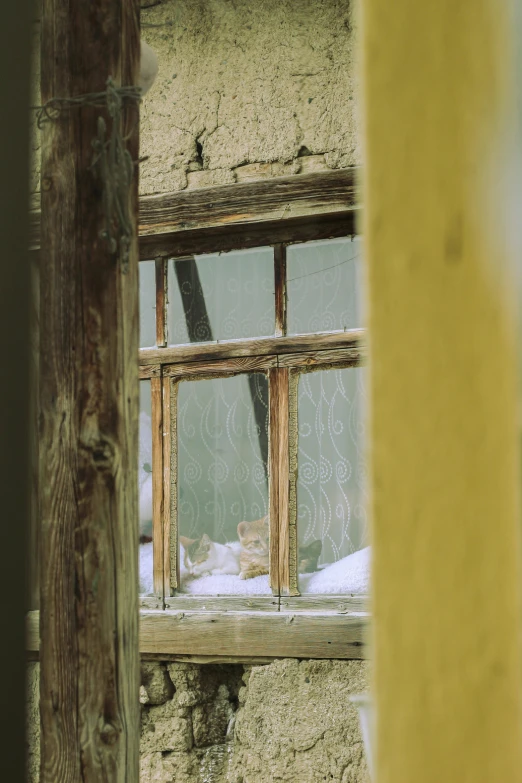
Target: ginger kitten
(254,548)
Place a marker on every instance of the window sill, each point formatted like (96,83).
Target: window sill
(241,636)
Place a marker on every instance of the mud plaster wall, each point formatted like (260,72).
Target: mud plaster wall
(246,89)
(286,721)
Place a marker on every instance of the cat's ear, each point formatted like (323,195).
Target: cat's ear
(205,539)
(186,541)
(242,529)
(316,547)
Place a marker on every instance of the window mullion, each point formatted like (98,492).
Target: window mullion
(161,302)
(279,483)
(169,486)
(157,483)
(280,289)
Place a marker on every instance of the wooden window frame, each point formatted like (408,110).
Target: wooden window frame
(276,213)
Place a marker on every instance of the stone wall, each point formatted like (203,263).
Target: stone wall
(287,721)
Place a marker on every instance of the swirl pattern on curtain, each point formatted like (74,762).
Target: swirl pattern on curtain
(331,494)
(222,476)
(237,289)
(324,286)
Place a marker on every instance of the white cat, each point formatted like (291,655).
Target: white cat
(203,557)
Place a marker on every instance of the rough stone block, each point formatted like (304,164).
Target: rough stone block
(195,684)
(156,682)
(210,721)
(166,728)
(169,768)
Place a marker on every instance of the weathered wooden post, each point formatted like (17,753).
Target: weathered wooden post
(88,405)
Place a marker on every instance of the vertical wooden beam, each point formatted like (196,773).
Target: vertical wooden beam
(15,283)
(156,396)
(168,533)
(293,453)
(161,302)
(34,537)
(440,121)
(89,680)
(279,482)
(280,289)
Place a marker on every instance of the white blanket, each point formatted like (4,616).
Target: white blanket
(349,575)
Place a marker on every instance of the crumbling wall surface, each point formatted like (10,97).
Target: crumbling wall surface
(288,721)
(296,723)
(187,721)
(248,90)
(245,90)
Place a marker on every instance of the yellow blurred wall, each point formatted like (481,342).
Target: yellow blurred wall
(439,115)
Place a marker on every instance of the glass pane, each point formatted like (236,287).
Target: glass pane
(222,485)
(145,488)
(221,297)
(324,286)
(332,530)
(147,304)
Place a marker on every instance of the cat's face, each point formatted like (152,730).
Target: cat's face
(308,557)
(197,549)
(254,536)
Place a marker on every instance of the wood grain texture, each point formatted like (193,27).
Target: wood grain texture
(279,533)
(151,602)
(147,371)
(261,346)
(304,207)
(241,236)
(279,634)
(343,604)
(221,367)
(309,360)
(205,659)
(161,302)
(223,603)
(282,198)
(34,530)
(293,443)
(89,673)
(168,583)
(241,637)
(280,289)
(158,509)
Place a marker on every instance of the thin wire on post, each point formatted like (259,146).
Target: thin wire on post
(112,162)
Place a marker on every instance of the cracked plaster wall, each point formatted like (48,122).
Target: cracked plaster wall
(246,89)
(288,721)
